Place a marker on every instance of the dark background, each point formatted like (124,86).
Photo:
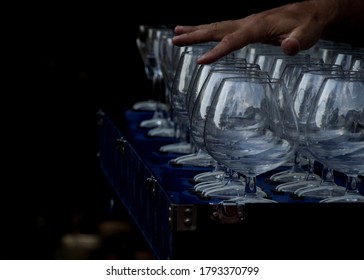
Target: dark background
(69,61)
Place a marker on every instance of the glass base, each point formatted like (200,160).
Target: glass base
(257,199)
(152,123)
(178,148)
(320,192)
(348,198)
(287,177)
(208,176)
(167,132)
(294,186)
(230,191)
(200,187)
(196,160)
(149,105)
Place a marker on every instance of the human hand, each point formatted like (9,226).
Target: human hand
(294,27)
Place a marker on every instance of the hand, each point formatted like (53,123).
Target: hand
(295,27)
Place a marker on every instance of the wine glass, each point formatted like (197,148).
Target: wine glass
(154,60)
(235,59)
(327,52)
(181,81)
(231,182)
(230,64)
(358,65)
(303,93)
(244,131)
(349,59)
(327,187)
(335,131)
(290,75)
(166,57)
(147,44)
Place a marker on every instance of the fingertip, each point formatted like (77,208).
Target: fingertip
(205,59)
(177,38)
(290,46)
(202,59)
(178,29)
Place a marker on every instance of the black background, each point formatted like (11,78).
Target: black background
(68,61)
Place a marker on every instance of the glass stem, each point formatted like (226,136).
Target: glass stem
(251,186)
(327,177)
(310,170)
(352,185)
(156,91)
(297,168)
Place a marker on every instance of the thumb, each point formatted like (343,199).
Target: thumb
(300,39)
(290,46)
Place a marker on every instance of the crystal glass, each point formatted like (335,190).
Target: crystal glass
(147,42)
(231,183)
(335,131)
(166,57)
(150,51)
(199,157)
(244,131)
(310,77)
(182,78)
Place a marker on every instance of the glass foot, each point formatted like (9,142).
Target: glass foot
(162,132)
(178,148)
(320,192)
(149,105)
(208,176)
(291,187)
(287,176)
(196,160)
(348,198)
(155,122)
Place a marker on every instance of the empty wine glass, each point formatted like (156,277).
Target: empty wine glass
(327,52)
(244,131)
(327,188)
(349,59)
(304,89)
(236,58)
(335,131)
(181,81)
(147,44)
(202,81)
(231,182)
(290,74)
(166,57)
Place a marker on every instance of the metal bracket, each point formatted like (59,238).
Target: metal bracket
(228,213)
(120,145)
(182,217)
(150,185)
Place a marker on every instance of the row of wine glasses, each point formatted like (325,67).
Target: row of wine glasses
(243,130)
(335,131)
(149,41)
(308,81)
(302,99)
(259,109)
(227,184)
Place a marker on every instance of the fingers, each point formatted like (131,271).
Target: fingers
(290,46)
(214,54)
(232,35)
(187,35)
(228,44)
(301,38)
(292,26)
(179,29)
